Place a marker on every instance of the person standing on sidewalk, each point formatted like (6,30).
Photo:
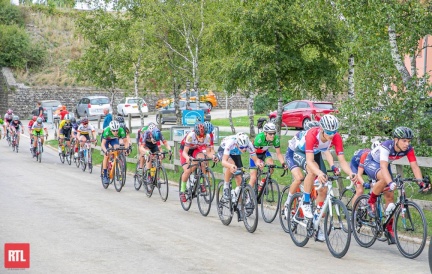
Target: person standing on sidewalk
(108,118)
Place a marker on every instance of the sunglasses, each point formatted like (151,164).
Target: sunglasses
(243,147)
(114,130)
(330,133)
(85,124)
(271,133)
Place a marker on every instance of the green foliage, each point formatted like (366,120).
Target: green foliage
(14,43)
(264,103)
(10,14)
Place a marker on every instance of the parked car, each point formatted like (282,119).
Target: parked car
(298,113)
(91,106)
(167,114)
(207,96)
(129,105)
(47,104)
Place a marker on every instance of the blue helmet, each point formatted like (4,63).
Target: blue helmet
(157,135)
(208,127)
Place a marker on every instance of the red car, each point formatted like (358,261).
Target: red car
(298,113)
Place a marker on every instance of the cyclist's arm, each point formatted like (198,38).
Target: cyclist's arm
(185,153)
(279,155)
(313,166)
(103,149)
(346,168)
(329,157)
(165,142)
(257,161)
(416,170)
(228,165)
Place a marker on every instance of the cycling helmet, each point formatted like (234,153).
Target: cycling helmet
(114,125)
(151,126)
(39,120)
(34,118)
(311,124)
(269,127)
(242,139)
(120,119)
(63,107)
(9,111)
(84,120)
(199,129)
(329,122)
(156,134)
(403,133)
(67,117)
(375,144)
(73,120)
(208,126)
(15,118)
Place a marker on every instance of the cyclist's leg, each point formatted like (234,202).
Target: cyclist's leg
(322,193)
(142,151)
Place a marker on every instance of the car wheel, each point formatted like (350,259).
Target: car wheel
(305,121)
(76,114)
(209,105)
(158,119)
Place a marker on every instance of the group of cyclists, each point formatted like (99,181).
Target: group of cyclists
(304,155)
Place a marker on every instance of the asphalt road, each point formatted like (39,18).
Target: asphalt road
(73,225)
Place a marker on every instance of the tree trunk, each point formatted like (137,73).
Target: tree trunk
(230,117)
(251,114)
(351,76)
(178,111)
(397,59)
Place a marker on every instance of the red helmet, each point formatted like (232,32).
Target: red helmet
(84,121)
(34,118)
(200,130)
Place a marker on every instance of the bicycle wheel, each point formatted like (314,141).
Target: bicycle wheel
(39,156)
(185,205)
(284,129)
(118,176)
(347,198)
(104,185)
(148,183)
(212,182)
(249,208)
(430,255)
(282,200)
(363,226)
(296,222)
(77,160)
(410,230)
(270,201)
(337,228)
(68,155)
(62,158)
(162,183)
(204,195)
(224,206)
(137,178)
(83,160)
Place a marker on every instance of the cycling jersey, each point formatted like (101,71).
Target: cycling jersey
(65,126)
(17,126)
(310,142)
(8,117)
(30,124)
(108,135)
(37,128)
(262,145)
(191,141)
(229,146)
(358,159)
(85,130)
(146,138)
(386,152)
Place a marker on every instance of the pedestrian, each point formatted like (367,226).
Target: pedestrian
(40,109)
(108,117)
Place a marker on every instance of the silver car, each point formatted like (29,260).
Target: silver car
(92,106)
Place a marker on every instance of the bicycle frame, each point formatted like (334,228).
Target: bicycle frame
(267,179)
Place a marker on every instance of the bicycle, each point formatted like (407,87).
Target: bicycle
(86,159)
(39,148)
(8,137)
(115,169)
(65,152)
(407,227)
(156,176)
(202,193)
(262,121)
(14,142)
(244,203)
(349,192)
(337,226)
(268,194)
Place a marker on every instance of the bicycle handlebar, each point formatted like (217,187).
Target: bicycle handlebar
(275,166)
(330,179)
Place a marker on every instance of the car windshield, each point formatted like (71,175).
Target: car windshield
(323,105)
(134,101)
(99,101)
(51,104)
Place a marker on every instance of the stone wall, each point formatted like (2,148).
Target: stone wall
(22,99)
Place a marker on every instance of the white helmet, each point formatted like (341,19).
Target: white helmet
(114,125)
(67,117)
(151,127)
(269,127)
(329,122)
(242,139)
(375,144)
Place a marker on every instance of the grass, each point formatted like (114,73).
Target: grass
(242,121)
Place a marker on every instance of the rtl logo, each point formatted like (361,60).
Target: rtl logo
(17,255)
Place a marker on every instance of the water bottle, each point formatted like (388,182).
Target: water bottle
(261,184)
(389,209)
(152,171)
(233,195)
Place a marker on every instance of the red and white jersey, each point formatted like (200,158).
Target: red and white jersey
(310,141)
(191,141)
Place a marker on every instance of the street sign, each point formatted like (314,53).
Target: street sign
(190,117)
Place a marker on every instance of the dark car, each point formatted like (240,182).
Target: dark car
(47,104)
(298,113)
(167,114)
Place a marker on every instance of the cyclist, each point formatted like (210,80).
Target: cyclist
(16,126)
(7,120)
(193,146)
(263,141)
(29,128)
(1,125)
(75,125)
(110,138)
(36,130)
(64,131)
(84,130)
(307,156)
(126,141)
(357,166)
(63,112)
(377,167)
(230,152)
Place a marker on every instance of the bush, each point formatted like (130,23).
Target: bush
(264,104)
(10,14)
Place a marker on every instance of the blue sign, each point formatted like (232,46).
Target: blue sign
(190,117)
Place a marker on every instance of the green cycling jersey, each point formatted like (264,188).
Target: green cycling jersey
(262,145)
(107,134)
